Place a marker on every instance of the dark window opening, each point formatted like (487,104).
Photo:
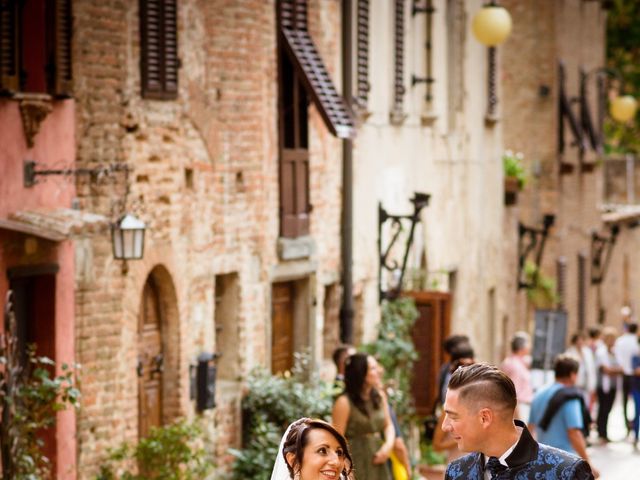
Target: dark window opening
(35,47)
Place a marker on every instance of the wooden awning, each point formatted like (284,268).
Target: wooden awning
(314,75)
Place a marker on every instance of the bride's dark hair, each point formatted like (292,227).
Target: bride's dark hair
(297,440)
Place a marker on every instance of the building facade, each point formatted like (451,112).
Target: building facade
(558,133)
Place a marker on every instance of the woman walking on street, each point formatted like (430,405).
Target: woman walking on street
(362,415)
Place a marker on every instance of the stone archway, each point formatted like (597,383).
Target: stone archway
(158,351)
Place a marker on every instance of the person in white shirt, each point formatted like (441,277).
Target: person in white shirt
(587,375)
(625,348)
(609,374)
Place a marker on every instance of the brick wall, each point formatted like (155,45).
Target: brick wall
(205,180)
(571,31)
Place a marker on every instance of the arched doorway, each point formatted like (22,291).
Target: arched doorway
(150,366)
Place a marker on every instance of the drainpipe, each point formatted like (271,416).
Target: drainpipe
(346,308)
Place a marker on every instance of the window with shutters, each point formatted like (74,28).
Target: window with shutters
(294,153)
(35,47)
(159,49)
(303,78)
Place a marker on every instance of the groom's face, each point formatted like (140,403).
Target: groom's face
(463,423)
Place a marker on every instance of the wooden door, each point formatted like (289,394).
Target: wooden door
(430,329)
(34,307)
(282,327)
(150,360)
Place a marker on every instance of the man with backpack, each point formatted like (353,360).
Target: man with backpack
(559,416)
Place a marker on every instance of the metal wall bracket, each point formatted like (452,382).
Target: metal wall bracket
(419,201)
(601,248)
(532,240)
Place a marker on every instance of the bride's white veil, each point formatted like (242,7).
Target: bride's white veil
(280,469)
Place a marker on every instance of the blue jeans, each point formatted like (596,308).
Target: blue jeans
(636,419)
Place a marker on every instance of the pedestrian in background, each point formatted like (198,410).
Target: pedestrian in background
(587,375)
(609,372)
(400,463)
(450,343)
(625,348)
(479,406)
(361,414)
(635,392)
(516,366)
(559,415)
(443,441)
(595,343)
(339,356)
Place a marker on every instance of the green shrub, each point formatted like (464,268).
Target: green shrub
(513,167)
(395,351)
(170,452)
(30,397)
(542,292)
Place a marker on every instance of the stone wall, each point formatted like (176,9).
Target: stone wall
(574,32)
(204,177)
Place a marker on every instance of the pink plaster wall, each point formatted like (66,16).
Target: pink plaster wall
(65,315)
(54,148)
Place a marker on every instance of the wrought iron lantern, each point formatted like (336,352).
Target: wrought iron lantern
(127,238)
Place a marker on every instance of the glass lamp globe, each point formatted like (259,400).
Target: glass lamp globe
(127,236)
(623,108)
(491,25)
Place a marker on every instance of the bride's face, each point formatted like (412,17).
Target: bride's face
(323,457)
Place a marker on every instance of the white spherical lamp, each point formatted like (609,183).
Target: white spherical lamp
(623,108)
(491,25)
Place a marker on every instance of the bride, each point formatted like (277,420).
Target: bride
(312,449)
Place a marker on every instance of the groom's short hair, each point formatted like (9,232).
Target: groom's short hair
(484,385)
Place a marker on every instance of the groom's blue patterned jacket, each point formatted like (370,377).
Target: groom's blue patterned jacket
(529,460)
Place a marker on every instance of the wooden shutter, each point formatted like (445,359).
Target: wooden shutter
(397,114)
(159,48)
(582,291)
(362,53)
(63,27)
(312,71)
(431,328)
(9,78)
(170,47)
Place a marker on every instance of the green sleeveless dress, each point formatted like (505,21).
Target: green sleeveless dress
(365,435)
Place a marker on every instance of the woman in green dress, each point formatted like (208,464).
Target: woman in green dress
(361,414)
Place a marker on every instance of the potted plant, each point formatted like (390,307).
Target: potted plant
(515,176)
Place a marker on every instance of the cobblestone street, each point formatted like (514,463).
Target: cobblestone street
(616,460)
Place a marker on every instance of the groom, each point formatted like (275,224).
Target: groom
(479,408)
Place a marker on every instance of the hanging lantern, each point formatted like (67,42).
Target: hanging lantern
(127,237)
(491,25)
